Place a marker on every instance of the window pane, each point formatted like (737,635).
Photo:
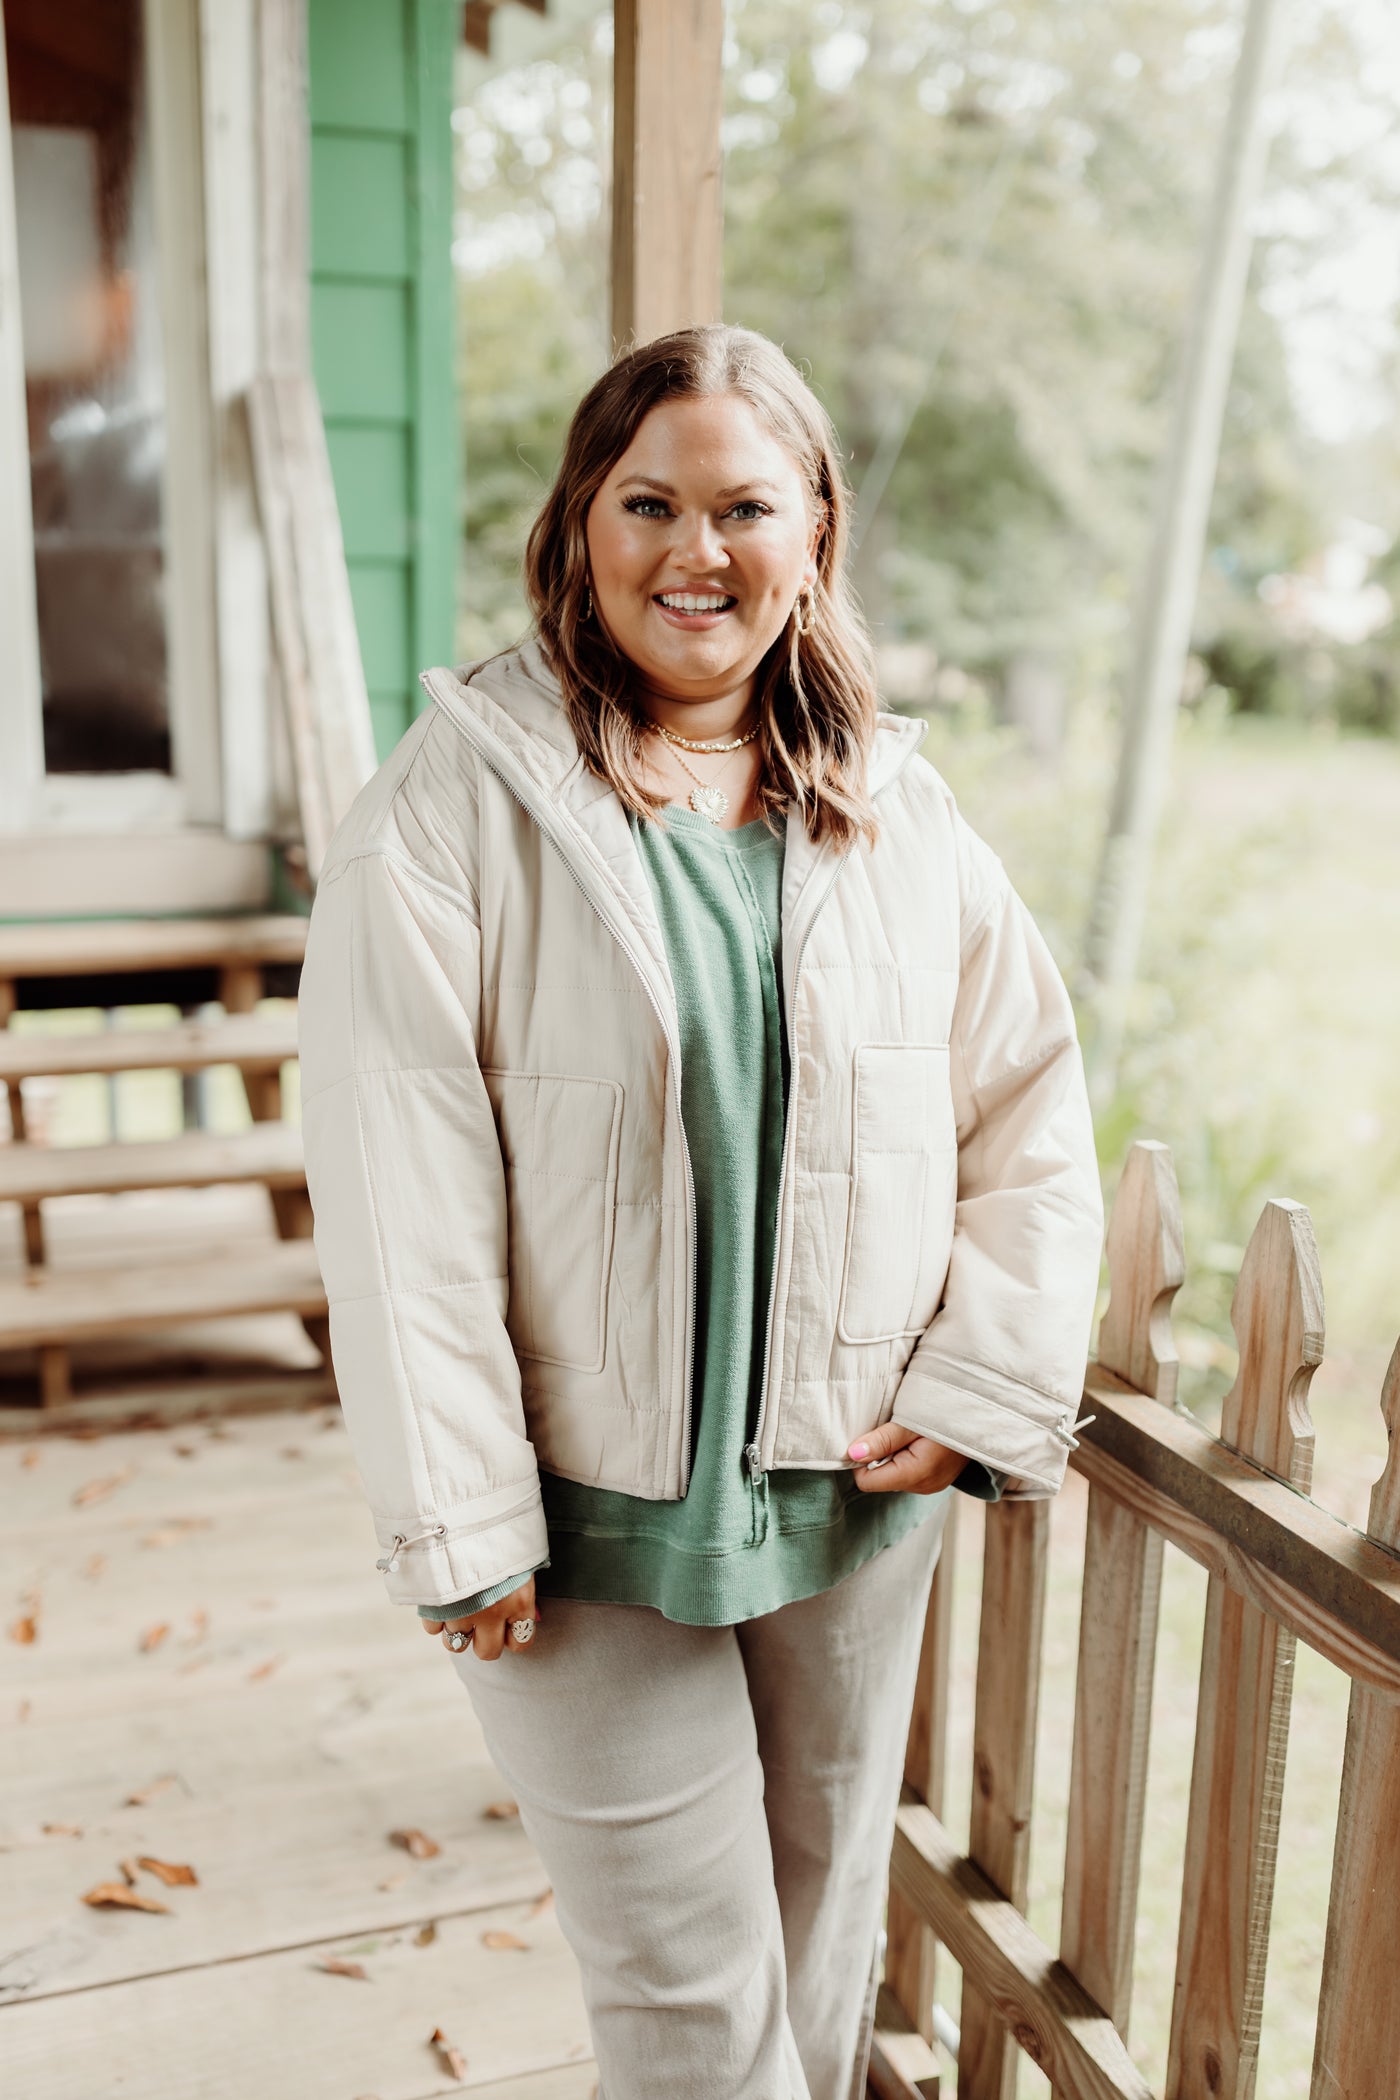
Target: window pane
(94,382)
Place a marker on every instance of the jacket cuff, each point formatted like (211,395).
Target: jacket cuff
(465,1606)
(440,1559)
(983,1483)
(1015,1430)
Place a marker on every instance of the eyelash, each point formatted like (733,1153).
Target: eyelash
(635,505)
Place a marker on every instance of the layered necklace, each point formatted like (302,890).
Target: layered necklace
(706,799)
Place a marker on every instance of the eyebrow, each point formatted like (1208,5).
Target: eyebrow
(664,488)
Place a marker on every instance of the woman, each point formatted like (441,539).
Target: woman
(704,1185)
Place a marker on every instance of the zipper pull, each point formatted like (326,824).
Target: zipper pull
(753,1458)
(389,1561)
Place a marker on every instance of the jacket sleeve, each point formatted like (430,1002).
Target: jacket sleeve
(407,1186)
(999,1371)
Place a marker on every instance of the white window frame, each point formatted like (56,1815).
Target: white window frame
(201,59)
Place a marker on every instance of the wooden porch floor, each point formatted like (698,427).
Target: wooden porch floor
(282,1726)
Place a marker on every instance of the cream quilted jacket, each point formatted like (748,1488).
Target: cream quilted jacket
(503,1196)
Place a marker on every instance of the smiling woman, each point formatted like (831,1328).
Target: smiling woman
(704,1186)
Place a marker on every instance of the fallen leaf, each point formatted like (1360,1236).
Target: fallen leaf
(453,2058)
(178,1528)
(425,1935)
(510,1940)
(144,1794)
(265,1669)
(292,1451)
(541,1903)
(333,1966)
(165,1870)
(201,1627)
(95,1490)
(32,1456)
(393,1881)
(417,1842)
(501,1811)
(67,1830)
(25,1629)
(92,1567)
(152,1637)
(185,1450)
(129,1871)
(120,1897)
(220,1433)
(196,1663)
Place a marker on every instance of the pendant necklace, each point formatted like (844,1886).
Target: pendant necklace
(706,799)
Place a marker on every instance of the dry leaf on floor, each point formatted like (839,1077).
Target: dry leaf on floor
(291,1451)
(541,1903)
(334,1966)
(425,1935)
(453,2058)
(24,1629)
(509,1940)
(92,1567)
(129,1871)
(171,1533)
(265,1669)
(172,1874)
(32,1456)
(501,1811)
(67,1830)
(393,1881)
(152,1637)
(120,1897)
(144,1794)
(417,1842)
(201,1627)
(185,1450)
(94,1490)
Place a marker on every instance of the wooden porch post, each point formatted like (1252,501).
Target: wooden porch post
(668,216)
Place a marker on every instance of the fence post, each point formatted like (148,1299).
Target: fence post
(1119,1610)
(1246,1688)
(1358,2025)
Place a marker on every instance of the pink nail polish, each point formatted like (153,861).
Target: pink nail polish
(859,1451)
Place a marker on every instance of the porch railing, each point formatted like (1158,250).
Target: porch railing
(1281,1569)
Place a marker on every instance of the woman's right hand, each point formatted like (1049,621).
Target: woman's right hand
(490,1629)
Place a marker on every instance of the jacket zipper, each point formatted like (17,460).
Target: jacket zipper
(753,1452)
(673,1045)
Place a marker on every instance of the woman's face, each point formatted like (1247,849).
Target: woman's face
(699,542)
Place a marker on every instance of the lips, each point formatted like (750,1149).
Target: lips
(695,604)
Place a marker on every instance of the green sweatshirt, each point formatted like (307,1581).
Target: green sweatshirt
(733,1546)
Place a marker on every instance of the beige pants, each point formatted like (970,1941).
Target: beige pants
(715,1808)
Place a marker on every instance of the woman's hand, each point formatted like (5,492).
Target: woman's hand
(902,1459)
(490,1629)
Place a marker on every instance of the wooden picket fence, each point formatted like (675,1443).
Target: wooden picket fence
(1280,1569)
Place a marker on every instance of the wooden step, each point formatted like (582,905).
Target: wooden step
(72,1305)
(120,945)
(256,1042)
(267,1152)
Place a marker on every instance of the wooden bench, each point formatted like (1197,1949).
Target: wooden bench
(47,1306)
(253,1042)
(267,1152)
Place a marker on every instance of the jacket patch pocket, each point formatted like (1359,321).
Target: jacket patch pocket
(559,1142)
(904,1178)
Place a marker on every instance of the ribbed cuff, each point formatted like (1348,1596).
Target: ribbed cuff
(465,1606)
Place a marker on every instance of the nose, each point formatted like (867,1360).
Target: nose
(699,543)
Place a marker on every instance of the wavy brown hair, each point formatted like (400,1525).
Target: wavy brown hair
(816,690)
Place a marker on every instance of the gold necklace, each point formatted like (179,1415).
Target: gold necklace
(706,799)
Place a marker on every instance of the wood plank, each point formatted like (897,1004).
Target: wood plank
(276,2022)
(902,2064)
(1333,1588)
(1120,1604)
(270,1153)
(63,873)
(1358,2027)
(1014,1566)
(911,1965)
(72,1304)
(1055,2021)
(150,944)
(668,212)
(155,1404)
(1246,1687)
(257,1042)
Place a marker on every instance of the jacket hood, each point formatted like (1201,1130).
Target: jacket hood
(517,698)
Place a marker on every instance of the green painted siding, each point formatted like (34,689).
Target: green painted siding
(381,325)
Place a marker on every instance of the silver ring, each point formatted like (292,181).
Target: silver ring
(458,1640)
(522,1631)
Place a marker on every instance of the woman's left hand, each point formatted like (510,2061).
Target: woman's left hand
(912,1464)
